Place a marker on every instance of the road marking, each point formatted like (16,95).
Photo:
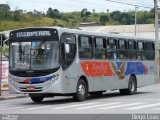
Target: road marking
(100,105)
(145,106)
(11,108)
(33,108)
(125,105)
(70,106)
(134,99)
(156,109)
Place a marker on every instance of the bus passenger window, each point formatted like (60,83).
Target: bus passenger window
(111,49)
(122,49)
(140,51)
(150,51)
(99,50)
(85,47)
(132,50)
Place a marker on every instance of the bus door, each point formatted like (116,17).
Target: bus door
(69,65)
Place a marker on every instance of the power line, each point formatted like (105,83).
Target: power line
(129,4)
(138,2)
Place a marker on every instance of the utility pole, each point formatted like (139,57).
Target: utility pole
(136,6)
(1,64)
(156,32)
(156,20)
(135,20)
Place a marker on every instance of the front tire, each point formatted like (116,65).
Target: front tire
(82,91)
(132,87)
(37,99)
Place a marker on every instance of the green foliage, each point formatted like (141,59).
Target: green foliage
(53,17)
(104,19)
(53,13)
(85,14)
(4,11)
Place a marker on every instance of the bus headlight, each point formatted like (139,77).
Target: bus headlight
(55,78)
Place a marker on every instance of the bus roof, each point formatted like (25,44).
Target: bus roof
(84,32)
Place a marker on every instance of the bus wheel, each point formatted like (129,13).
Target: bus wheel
(37,99)
(132,87)
(82,91)
(96,93)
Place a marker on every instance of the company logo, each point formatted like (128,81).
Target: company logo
(120,72)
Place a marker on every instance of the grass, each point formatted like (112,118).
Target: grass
(10,24)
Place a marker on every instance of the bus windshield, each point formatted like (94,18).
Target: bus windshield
(34,55)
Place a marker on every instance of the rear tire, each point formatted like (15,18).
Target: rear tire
(82,91)
(132,87)
(37,99)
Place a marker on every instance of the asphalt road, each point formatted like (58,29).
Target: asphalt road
(146,100)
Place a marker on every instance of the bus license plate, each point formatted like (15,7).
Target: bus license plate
(30,88)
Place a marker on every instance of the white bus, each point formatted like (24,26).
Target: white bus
(45,62)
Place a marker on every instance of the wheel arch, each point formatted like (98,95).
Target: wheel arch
(85,80)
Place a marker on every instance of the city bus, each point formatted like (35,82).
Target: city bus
(54,61)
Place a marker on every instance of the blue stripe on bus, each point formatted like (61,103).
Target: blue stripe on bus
(137,68)
(39,80)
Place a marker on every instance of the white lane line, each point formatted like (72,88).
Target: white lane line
(11,108)
(71,106)
(144,106)
(156,109)
(134,99)
(108,104)
(117,106)
(33,108)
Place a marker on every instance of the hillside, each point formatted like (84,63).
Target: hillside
(53,17)
(11,24)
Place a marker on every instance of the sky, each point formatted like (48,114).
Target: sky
(76,5)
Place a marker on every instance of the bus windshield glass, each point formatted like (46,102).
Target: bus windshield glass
(34,55)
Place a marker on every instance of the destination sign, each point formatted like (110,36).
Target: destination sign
(33,34)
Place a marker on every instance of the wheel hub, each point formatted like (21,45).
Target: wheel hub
(81,90)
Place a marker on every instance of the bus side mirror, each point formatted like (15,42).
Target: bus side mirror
(67,48)
(5,49)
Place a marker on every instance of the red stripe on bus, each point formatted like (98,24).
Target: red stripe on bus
(92,68)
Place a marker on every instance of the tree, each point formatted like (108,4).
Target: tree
(124,20)
(4,11)
(104,19)
(85,14)
(53,13)
(16,15)
(49,12)
(107,10)
(116,15)
(94,10)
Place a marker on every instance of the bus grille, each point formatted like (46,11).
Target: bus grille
(35,89)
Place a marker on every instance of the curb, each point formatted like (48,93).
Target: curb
(12,97)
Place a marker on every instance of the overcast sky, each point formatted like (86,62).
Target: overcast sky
(75,5)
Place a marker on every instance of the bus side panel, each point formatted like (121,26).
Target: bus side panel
(151,76)
(116,83)
(89,78)
(70,78)
(99,83)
